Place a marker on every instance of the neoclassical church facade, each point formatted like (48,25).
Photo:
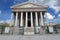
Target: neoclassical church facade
(28,18)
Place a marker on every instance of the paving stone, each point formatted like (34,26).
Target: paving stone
(30,37)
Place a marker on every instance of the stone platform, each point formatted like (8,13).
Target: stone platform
(29,31)
(30,37)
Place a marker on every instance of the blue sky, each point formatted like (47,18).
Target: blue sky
(53,10)
(5,8)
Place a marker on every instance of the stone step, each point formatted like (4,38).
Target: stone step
(28,30)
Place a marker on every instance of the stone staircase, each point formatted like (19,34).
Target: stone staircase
(29,31)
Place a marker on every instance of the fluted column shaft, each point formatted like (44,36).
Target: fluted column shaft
(42,24)
(11,19)
(21,20)
(36,22)
(26,20)
(31,20)
(16,19)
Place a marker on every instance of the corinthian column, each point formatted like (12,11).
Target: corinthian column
(26,20)
(31,20)
(41,19)
(21,22)
(36,19)
(11,19)
(16,19)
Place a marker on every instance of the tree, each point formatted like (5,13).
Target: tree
(5,24)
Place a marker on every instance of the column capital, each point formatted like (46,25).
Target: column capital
(21,12)
(16,12)
(36,12)
(26,11)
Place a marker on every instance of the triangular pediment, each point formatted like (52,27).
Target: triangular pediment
(27,5)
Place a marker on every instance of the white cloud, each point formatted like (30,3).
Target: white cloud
(2,21)
(58,15)
(53,4)
(6,21)
(49,16)
(56,8)
(37,1)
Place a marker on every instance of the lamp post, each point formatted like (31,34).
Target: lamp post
(47,24)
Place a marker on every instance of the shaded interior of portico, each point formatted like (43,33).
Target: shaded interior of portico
(28,18)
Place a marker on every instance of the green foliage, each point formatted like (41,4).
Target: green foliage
(47,29)
(5,24)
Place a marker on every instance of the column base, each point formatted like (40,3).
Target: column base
(29,31)
(16,30)
(42,30)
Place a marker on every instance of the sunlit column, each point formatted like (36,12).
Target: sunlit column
(21,22)
(11,19)
(31,20)
(41,19)
(16,19)
(36,19)
(26,20)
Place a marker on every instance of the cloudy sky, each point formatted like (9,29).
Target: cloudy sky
(53,10)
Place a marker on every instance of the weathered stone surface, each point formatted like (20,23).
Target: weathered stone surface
(16,30)
(29,30)
(34,37)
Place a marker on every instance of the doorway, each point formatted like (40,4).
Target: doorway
(29,23)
